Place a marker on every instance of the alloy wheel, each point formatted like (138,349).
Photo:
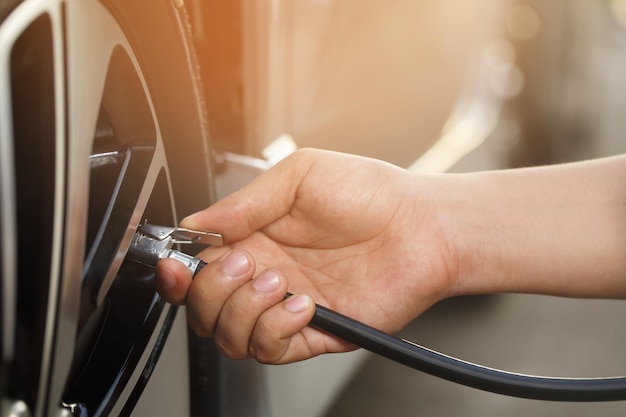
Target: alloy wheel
(83,163)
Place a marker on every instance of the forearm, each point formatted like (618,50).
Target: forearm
(557,230)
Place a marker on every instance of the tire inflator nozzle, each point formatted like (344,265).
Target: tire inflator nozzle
(152,243)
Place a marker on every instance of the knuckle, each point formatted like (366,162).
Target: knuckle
(236,308)
(199,328)
(265,346)
(228,349)
(263,355)
(305,153)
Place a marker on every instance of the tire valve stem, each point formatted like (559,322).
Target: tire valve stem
(152,243)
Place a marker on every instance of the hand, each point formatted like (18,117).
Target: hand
(353,234)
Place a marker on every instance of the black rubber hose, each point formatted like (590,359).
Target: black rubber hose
(466,373)
(462,372)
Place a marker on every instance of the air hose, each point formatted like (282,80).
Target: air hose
(466,373)
(462,372)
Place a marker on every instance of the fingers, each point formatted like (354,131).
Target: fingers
(276,337)
(246,316)
(253,207)
(214,285)
(173,280)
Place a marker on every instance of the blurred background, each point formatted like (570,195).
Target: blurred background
(431,86)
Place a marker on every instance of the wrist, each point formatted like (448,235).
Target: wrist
(467,228)
(436,235)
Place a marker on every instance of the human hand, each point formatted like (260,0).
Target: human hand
(353,234)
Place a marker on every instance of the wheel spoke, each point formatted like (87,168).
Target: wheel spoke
(120,311)
(116,230)
(103,324)
(100,325)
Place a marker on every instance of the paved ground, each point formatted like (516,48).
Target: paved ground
(528,334)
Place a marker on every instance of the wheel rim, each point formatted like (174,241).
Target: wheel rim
(103,325)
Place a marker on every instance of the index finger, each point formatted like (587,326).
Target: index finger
(266,199)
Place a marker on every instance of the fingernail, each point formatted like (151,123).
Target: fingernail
(236,263)
(267,281)
(298,303)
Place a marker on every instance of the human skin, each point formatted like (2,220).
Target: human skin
(381,244)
